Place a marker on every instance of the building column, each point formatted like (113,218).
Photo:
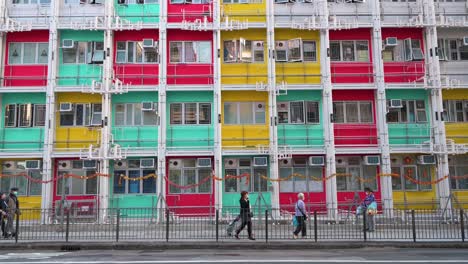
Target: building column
(434,82)
(330,171)
(384,145)
(49,135)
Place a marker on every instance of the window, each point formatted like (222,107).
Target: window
(353,112)
(185,172)
(82,115)
(242,1)
(190,113)
(253,179)
(405,50)
(135,52)
(295,50)
(84,52)
(75,2)
(190,52)
(244,113)
(360,175)
(75,186)
(298,112)
(243,50)
(456,110)
(349,50)
(131,169)
(23,115)
(413,111)
(25,186)
(304,184)
(458,166)
(31,1)
(28,53)
(452,50)
(190,1)
(408,168)
(131,114)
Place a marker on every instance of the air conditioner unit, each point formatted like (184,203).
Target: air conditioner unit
(231,163)
(281,51)
(371,160)
(97,85)
(148,43)
(140,1)
(175,164)
(260,107)
(426,159)
(282,107)
(33,164)
(66,107)
(282,1)
(260,161)
(120,164)
(316,161)
(64,165)
(285,163)
(465,41)
(146,163)
(9,165)
(68,43)
(391,41)
(147,106)
(122,2)
(396,103)
(341,162)
(257,44)
(89,164)
(203,163)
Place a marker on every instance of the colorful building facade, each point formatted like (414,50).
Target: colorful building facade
(185,104)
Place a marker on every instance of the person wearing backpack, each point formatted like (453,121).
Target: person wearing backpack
(301,217)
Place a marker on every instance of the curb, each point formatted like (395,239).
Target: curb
(60,246)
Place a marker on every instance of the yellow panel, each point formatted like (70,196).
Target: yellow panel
(244,12)
(31,207)
(417,199)
(456,131)
(462,197)
(245,135)
(298,72)
(76,137)
(244,73)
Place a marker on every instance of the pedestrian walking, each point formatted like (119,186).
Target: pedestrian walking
(301,217)
(13,211)
(3,214)
(245,215)
(369,207)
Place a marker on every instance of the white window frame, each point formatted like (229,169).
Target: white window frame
(195,2)
(142,172)
(90,51)
(15,181)
(445,48)
(402,179)
(302,50)
(33,109)
(240,182)
(183,179)
(451,112)
(254,110)
(87,115)
(239,47)
(77,171)
(358,103)
(183,116)
(127,106)
(21,53)
(407,103)
(305,110)
(355,50)
(134,51)
(195,44)
(349,180)
(30,2)
(457,168)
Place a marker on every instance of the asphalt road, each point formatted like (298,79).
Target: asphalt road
(365,255)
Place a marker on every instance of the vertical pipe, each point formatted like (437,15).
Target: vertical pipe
(266,226)
(462,224)
(413,225)
(17,228)
(117,228)
(167,225)
(217,225)
(67,230)
(315,226)
(364,223)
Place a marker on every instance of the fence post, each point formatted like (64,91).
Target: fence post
(413,225)
(117,228)
(266,226)
(17,227)
(167,225)
(315,226)
(67,230)
(462,224)
(217,225)
(364,220)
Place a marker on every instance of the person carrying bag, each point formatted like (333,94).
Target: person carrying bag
(300,217)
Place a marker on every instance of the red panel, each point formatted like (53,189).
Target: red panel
(197,204)
(136,74)
(352,72)
(355,134)
(25,75)
(178,13)
(404,72)
(183,74)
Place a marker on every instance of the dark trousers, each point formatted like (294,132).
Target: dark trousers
(248,223)
(3,224)
(301,226)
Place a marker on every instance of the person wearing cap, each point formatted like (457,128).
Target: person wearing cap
(3,213)
(13,210)
(370,198)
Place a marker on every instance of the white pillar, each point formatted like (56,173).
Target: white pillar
(385,167)
(327,102)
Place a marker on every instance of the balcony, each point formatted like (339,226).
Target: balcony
(138,77)
(451,13)
(136,16)
(453,74)
(297,15)
(244,138)
(352,74)
(190,140)
(190,75)
(349,15)
(138,140)
(27,79)
(21,142)
(75,77)
(248,14)
(355,138)
(301,138)
(81,16)
(404,74)
(71,140)
(410,138)
(28,16)
(401,14)
(299,73)
(191,14)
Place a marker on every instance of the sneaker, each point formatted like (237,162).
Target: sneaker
(236,236)
(294,236)
(251,238)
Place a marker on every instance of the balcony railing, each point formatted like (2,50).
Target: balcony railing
(21,139)
(190,74)
(142,74)
(300,136)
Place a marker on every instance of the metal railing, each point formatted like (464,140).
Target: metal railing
(209,223)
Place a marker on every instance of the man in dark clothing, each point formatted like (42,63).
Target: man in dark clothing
(245,215)
(13,210)
(3,213)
